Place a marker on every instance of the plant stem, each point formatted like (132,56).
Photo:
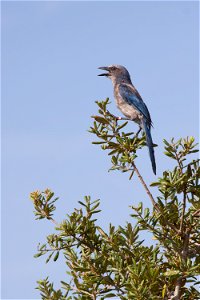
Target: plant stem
(183,211)
(52,220)
(196,213)
(155,205)
(177,291)
(145,187)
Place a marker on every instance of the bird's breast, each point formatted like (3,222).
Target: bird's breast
(128,110)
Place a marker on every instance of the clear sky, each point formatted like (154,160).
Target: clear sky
(50,55)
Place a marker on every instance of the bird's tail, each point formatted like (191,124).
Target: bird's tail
(149,141)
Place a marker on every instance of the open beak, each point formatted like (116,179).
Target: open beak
(105,69)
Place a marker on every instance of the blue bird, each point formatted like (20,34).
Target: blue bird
(130,103)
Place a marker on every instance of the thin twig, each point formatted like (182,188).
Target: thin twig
(196,213)
(179,162)
(155,205)
(155,231)
(183,211)
(56,248)
(146,188)
(192,163)
(185,245)
(181,280)
(48,218)
(52,220)
(184,192)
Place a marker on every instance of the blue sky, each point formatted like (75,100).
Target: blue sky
(50,55)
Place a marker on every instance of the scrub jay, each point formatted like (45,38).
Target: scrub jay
(130,103)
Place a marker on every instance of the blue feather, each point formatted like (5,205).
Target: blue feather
(133,98)
(149,141)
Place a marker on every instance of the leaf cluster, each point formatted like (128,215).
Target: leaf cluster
(104,265)
(122,146)
(116,262)
(43,204)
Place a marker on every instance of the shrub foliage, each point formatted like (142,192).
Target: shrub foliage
(117,264)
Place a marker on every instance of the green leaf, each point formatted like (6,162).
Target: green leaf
(110,295)
(102,232)
(170,155)
(49,257)
(83,204)
(114,160)
(164,290)
(172,273)
(166,143)
(123,125)
(155,184)
(38,254)
(56,256)
(98,143)
(146,212)
(100,119)
(193,151)
(140,207)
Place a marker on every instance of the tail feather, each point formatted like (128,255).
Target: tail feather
(149,141)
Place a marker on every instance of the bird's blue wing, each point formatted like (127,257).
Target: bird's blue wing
(132,97)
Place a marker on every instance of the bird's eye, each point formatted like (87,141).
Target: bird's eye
(114,68)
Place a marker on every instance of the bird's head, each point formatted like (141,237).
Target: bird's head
(115,73)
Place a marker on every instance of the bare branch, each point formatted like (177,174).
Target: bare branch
(155,205)
(183,211)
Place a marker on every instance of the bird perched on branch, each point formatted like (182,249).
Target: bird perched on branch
(130,103)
